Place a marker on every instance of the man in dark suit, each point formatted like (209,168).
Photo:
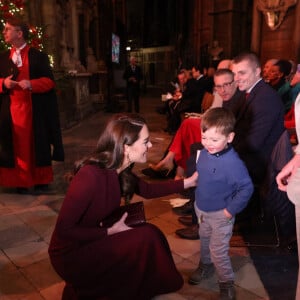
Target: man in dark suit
(260,121)
(259,126)
(188,99)
(200,87)
(133,76)
(258,130)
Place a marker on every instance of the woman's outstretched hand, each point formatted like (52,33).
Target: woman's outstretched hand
(288,170)
(119,226)
(191,181)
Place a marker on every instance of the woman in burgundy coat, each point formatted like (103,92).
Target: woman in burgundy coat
(118,262)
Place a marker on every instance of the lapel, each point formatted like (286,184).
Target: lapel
(7,66)
(244,108)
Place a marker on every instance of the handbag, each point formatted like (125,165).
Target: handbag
(135,217)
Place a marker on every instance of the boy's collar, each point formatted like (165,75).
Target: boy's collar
(229,146)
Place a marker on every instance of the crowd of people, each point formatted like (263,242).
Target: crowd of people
(292,88)
(264,114)
(225,154)
(227,157)
(288,89)
(187,95)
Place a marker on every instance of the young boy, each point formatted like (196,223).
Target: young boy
(224,189)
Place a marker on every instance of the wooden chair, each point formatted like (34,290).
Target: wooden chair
(207,101)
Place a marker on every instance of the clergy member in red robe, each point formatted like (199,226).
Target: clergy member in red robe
(30,136)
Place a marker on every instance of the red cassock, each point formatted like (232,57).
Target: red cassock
(25,173)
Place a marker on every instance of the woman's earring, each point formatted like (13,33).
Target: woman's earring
(129,160)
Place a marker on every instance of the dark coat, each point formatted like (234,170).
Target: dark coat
(46,124)
(193,95)
(260,123)
(137,74)
(276,202)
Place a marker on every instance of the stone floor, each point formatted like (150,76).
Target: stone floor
(26,224)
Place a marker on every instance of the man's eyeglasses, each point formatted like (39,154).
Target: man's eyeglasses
(224,86)
(5,29)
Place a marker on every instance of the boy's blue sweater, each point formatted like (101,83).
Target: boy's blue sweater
(223,182)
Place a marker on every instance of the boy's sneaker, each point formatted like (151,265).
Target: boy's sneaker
(202,272)
(227,290)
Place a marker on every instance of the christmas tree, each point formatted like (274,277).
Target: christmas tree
(16,8)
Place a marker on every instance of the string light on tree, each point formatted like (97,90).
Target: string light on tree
(14,8)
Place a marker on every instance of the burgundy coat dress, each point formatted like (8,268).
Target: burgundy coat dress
(135,264)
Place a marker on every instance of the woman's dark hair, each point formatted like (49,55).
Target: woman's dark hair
(121,129)
(285,67)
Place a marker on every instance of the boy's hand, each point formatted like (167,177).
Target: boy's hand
(191,181)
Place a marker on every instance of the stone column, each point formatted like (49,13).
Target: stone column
(296,33)
(49,17)
(256,28)
(74,21)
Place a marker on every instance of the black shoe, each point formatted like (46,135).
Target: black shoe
(185,209)
(203,271)
(186,194)
(22,191)
(42,186)
(161,174)
(189,233)
(42,189)
(227,290)
(186,220)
